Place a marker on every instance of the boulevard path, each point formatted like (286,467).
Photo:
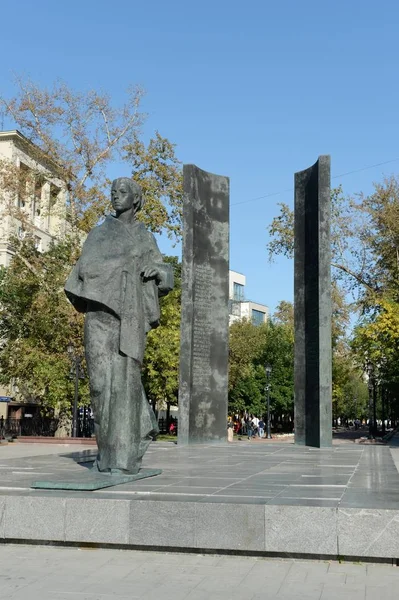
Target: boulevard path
(55,573)
(62,573)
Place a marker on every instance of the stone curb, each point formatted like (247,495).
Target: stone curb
(352,533)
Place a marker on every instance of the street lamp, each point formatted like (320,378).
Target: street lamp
(383,407)
(268,371)
(76,373)
(371,399)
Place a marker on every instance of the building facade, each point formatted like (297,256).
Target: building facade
(34,202)
(239,306)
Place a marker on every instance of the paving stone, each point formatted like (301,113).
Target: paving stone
(162,573)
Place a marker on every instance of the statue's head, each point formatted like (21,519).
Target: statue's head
(126,194)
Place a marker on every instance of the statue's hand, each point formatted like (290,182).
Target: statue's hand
(150,272)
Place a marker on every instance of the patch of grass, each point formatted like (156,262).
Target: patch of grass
(166,437)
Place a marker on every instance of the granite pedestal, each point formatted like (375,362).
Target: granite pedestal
(250,497)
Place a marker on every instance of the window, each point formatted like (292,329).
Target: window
(238,292)
(53,198)
(37,197)
(258,317)
(23,185)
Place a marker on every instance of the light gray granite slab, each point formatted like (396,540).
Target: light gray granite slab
(301,529)
(35,518)
(230,526)
(162,523)
(2,515)
(97,520)
(368,532)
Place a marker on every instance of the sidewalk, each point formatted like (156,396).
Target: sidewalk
(46,573)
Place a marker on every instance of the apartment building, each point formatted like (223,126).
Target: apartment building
(239,306)
(37,204)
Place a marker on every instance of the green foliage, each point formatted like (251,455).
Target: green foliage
(159,174)
(279,354)
(161,359)
(251,348)
(375,344)
(284,313)
(248,395)
(36,324)
(349,393)
(246,343)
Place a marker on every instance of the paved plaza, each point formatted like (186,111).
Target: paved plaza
(348,475)
(51,573)
(274,499)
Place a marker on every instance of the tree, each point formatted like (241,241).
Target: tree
(279,354)
(245,348)
(248,395)
(284,313)
(81,134)
(375,345)
(364,240)
(162,354)
(251,347)
(77,135)
(36,325)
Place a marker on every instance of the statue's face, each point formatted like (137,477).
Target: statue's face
(122,196)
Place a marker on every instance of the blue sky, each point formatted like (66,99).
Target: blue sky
(254,90)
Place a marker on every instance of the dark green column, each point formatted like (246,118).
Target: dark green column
(312,295)
(204,316)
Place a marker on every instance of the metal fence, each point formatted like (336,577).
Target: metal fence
(47,426)
(30,426)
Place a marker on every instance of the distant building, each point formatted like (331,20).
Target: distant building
(239,306)
(37,208)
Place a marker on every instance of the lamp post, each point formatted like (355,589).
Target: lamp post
(76,373)
(375,426)
(371,398)
(268,371)
(383,407)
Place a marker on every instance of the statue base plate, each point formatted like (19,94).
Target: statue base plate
(91,481)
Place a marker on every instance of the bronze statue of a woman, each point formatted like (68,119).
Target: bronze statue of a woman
(116,282)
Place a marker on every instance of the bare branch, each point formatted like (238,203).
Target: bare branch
(106,125)
(355,275)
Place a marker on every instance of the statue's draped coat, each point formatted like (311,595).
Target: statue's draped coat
(107,284)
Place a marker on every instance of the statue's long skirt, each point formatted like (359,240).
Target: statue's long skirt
(123,419)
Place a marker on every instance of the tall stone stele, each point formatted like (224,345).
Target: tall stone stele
(312,293)
(205,298)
